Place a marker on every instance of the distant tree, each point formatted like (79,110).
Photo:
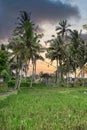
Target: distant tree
(63,28)
(82,58)
(74,47)
(46,77)
(56,52)
(5,75)
(18,57)
(3,47)
(25,44)
(3,60)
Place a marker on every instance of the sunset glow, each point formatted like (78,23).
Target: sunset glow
(44,13)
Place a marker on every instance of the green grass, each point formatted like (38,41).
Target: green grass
(45,109)
(3,87)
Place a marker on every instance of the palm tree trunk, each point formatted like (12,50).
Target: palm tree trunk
(27,68)
(32,77)
(60,77)
(17,78)
(75,74)
(20,77)
(67,78)
(68,71)
(35,69)
(57,74)
(75,78)
(83,75)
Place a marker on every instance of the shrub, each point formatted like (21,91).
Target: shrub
(25,84)
(5,74)
(3,87)
(11,83)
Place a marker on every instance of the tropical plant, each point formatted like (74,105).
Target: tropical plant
(17,56)
(63,28)
(3,47)
(56,52)
(82,58)
(26,41)
(3,60)
(74,47)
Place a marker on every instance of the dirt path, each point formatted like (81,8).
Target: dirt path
(8,93)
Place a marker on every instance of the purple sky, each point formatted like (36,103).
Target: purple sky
(42,11)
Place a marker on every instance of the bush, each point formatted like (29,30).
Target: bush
(11,83)
(3,87)
(25,84)
(39,85)
(5,74)
(26,79)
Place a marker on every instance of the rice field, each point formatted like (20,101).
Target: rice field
(50,108)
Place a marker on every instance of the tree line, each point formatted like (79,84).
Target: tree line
(67,47)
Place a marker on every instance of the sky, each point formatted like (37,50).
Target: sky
(44,13)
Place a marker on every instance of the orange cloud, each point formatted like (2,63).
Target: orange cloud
(43,66)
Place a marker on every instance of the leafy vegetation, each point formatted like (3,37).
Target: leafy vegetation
(25,47)
(3,60)
(48,109)
(67,48)
(43,106)
(3,87)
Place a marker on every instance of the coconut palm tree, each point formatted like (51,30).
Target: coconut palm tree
(67,68)
(18,57)
(76,41)
(3,47)
(27,32)
(56,52)
(63,28)
(82,58)
(36,58)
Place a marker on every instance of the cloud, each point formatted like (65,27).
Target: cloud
(84,36)
(41,10)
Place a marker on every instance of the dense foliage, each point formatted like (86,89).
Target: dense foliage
(3,60)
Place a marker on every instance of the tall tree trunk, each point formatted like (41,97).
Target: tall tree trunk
(20,77)
(68,73)
(35,69)
(60,65)
(57,74)
(27,68)
(32,77)
(75,78)
(67,76)
(17,79)
(33,72)
(75,74)
(83,75)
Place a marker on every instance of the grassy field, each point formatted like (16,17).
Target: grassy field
(45,109)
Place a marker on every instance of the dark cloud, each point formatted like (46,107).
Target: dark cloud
(84,36)
(41,10)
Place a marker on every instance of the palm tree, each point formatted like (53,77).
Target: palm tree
(3,47)
(67,68)
(27,31)
(36,58)
(76,41)
(17,56)
(56,52)
(82,58)
(37,50)
(63,28)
